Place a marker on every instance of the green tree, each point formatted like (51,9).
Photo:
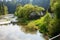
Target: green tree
(43,23)
(3,9)
(24,11)
(52,3)
(54,25)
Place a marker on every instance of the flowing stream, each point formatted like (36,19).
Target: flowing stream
(16,32)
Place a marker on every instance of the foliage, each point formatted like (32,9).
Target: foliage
(52,4)
(32,26)
(43,23)
(54,26)
(24,11)
(3,9)
(57,10)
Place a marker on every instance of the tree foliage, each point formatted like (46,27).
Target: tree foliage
(24,11)
(3,9)
(43,23)
(54,26)
(52,4)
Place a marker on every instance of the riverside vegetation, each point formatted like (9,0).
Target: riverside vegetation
(48,24)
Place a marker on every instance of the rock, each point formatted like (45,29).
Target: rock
(34,15)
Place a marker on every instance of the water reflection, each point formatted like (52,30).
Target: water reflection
(14,32)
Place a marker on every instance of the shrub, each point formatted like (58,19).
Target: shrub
(57,10)
(24,11)
(32,26)
(54,26)
(43,23)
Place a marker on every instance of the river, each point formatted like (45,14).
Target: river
(17,32)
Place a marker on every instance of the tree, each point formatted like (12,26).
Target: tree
(52,3)
(54,25)
(3,9)
(43,23)
(24,11)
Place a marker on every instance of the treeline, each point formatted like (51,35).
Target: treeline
(13,4)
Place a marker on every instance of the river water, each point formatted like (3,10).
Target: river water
(15,32)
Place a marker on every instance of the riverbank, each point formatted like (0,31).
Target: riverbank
(6,19)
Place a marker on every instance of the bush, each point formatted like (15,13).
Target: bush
(54,26)
(57,10)
(32,26)
(25,11)
(43,23)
